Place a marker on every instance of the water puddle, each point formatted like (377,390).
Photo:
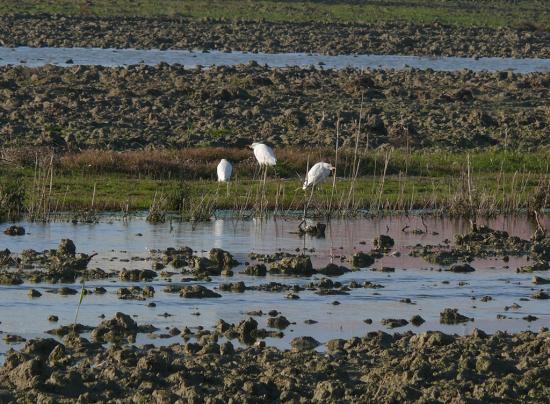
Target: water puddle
(34,57)
(130,245)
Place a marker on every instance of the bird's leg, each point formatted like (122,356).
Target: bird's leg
(217,192)
(304,245)
(304,221)
(308,201)
(227,190)
(305,215)
(264,201)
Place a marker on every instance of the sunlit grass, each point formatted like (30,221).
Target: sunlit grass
(482,13)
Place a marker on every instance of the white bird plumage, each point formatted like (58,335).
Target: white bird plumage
(224,170)
(264,154)
(317,174)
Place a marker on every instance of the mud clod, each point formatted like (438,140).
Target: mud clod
(362,260)
(304,343)
(394,323)
(299,265)
(137,275)
(280,322)
(333,270)
(15,231)
(541,295)
(417,320)
(256,270)
(384,242)
(462,268)
(452,316)
(34,293)
(537,280)
(197,292)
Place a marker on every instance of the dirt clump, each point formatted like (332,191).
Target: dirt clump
(452,316)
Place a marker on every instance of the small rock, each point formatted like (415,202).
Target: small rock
(461,268)
(64,291)
(362,260)
(280,322)
(452,316)
(417,320)
(197,292)
(394,323)
(304,343)
(15,231)
(541,295)
(34,293)
(333,270)
(13,339)
(66,247)
(100,290)
(309,321)
(256,270)
(384,242)
(537,280)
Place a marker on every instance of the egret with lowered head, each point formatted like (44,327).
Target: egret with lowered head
(317,174)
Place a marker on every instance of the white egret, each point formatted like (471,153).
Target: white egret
(317,174)
(264,154)
(266,157)
(224,173)
(224,170)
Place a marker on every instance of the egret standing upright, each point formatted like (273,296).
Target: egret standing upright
(264,154)
(224,172)
(265,157)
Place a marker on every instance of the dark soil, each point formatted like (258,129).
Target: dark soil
(85,107)
(271,37)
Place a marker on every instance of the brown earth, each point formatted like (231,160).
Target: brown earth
(427,367)
(271,37)
(134,107)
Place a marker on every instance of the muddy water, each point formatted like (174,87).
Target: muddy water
(130,245)
(117,57)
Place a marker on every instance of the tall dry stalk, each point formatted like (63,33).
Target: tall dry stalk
(333,190)
(157,211)
(383,179)
(40,198)
(356,160)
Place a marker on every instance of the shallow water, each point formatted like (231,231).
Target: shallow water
(34,57)
(120,245)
